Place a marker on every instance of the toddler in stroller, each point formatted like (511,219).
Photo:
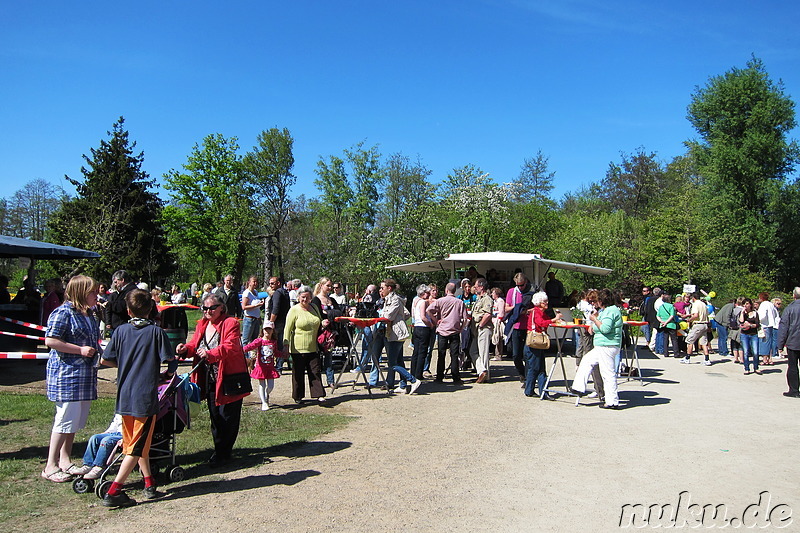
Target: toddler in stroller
(100,446)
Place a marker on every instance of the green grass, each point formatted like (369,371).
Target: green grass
(25,422)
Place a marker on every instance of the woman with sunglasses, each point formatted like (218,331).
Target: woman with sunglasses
(217,342)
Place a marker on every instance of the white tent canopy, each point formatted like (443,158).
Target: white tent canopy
(533,265)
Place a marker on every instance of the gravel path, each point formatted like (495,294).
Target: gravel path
(484,457)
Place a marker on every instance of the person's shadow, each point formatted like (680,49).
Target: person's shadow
(198,488)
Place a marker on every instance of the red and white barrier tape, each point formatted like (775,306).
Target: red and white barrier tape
(23,355)
(21,323)
(21,335)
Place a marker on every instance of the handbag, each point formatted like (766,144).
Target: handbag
(235,384)
(537,340)
(326,340)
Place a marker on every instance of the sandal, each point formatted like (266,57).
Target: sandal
(758,372)
(57,476)
(77,470)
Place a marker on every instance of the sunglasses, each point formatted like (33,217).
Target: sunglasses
(210,308)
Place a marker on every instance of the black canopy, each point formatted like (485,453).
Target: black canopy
(16,247)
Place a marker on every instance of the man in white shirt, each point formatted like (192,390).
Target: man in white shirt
(338,294)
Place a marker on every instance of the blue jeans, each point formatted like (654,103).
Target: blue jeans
(660,341)
(365,340)
(722,340)
(535,374)
(394,352)
(422,340)
(430,351)
(646,332)
(250,329)
(769,344)
(377,340)
(750,347)
(327,367)
(99,448)
(517,345)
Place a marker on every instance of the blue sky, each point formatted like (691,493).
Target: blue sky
(483,82)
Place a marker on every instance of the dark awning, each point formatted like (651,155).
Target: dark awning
(16,247)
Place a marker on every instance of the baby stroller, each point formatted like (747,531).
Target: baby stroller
(172,418)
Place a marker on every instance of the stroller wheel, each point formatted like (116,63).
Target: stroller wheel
(102,489)
(176,473)
(82,486)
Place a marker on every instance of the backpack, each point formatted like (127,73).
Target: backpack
(733,321)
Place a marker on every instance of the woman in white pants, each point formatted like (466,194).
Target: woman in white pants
(607,327)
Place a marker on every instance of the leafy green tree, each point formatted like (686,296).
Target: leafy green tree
(268,168)
(634,185)
(475,208)
(346,212)
(210,220)
(744,156)
(114,213)
(30,208)
(411,226)
(670,243)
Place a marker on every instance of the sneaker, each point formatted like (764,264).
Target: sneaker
(707,362)
(151,493)
(118,500)
(265,407)
(592,395)
(415,386)
(400,390)
(94,473)
(685,360)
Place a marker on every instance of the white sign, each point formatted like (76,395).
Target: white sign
(689,288)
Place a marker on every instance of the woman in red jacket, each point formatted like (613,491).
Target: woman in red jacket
(217,341)
(535,374)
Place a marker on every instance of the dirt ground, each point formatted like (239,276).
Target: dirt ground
(484,457)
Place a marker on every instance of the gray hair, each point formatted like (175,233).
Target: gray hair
(217,300)
(123,275)
(538,298)
(657,291)
(296,283)
(422,289)
(796,293)
(481,282)
(303,289)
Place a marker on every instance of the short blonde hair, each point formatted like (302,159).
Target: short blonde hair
(77,291)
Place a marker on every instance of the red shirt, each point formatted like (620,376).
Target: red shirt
(538,319)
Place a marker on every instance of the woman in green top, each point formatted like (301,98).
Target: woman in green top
(300,335)
(668,320)
(607,327)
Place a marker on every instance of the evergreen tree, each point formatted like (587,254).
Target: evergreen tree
(535,181)
(115,214)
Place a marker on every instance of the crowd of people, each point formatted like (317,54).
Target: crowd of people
(254,334)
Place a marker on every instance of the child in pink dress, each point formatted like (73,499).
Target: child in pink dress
(264,370)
